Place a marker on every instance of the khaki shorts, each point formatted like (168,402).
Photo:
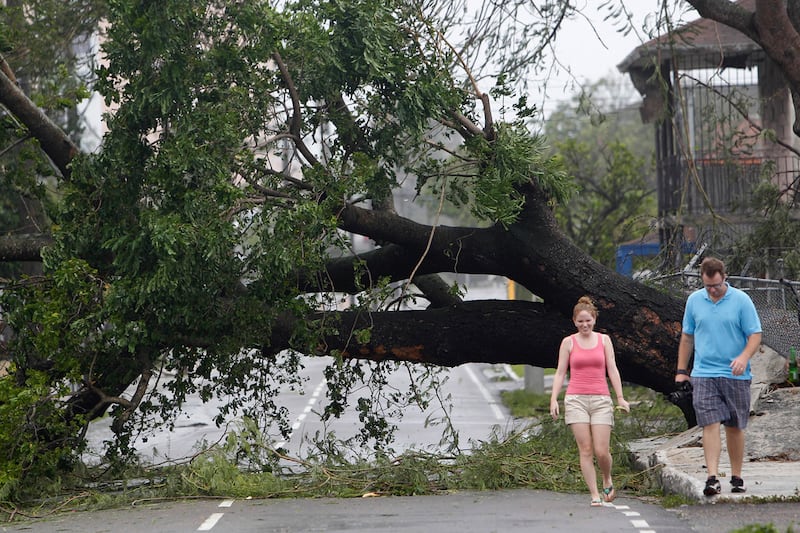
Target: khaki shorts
(588,409)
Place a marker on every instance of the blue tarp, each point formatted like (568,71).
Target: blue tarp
(626,253)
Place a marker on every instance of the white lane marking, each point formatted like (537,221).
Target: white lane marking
(498,414)
(307,409)
(638,524)
(210,522)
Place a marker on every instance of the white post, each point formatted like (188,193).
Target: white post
(534,375)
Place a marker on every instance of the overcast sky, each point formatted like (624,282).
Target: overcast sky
(593,48)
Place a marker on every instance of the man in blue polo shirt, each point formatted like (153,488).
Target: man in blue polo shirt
(721,327)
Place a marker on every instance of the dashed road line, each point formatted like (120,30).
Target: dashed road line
(302,416)
(212,520)
(641,525)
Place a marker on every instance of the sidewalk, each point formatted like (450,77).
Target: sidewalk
(772,450)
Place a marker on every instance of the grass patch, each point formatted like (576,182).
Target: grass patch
(761,528)
(524,404)
(651,414)
(673,501)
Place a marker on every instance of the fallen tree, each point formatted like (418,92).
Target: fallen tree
(245,145)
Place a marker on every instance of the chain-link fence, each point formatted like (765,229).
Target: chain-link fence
(777,303)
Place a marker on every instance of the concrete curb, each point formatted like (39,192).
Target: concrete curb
(670,479)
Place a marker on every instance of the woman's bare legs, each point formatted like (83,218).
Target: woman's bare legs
(583,437)
(601,437)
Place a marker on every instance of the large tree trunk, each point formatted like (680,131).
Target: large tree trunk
(496,331)
(644,323)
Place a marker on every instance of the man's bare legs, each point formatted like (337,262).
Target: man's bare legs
(712,448)
(734,438)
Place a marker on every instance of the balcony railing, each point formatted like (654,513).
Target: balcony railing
(724,185)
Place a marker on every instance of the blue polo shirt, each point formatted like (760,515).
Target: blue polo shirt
(720,331)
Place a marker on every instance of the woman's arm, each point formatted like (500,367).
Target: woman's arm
(561,373)
(613,373)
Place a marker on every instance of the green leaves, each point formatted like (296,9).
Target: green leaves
(57,337)
(490,177)
(26,410)
(237,132)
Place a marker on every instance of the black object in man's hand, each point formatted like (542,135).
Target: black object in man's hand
(682,397)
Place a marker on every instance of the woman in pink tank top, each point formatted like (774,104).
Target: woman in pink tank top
(588,409)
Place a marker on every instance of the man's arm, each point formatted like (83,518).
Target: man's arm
(685,348)
(753,342)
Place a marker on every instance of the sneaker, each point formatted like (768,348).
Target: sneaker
(712,486)
(737,484)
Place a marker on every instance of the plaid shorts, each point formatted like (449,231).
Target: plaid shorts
(723,400)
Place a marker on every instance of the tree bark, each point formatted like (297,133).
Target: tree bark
(55,143)
(23,247)
(497,331)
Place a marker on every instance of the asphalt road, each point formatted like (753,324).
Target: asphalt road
(465,512)
(476,412)
(478,512)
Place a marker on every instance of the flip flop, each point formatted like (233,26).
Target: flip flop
(609,494)
(597,502)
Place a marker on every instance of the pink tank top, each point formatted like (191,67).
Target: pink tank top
(587,369)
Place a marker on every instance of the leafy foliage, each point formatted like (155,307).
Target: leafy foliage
(541,455)
(761,528)
(33,416)
(773,244)
(487,178)
(237,132)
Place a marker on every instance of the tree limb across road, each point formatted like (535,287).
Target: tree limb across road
(246,143)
